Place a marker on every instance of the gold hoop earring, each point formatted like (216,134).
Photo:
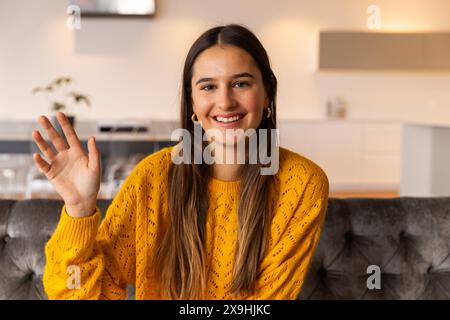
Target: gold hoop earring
(269,113)
(193,118)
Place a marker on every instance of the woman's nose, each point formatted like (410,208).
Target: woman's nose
(225,98)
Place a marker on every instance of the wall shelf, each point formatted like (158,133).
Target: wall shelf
(384,51)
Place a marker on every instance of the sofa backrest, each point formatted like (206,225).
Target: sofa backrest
(25,227)
(408,239)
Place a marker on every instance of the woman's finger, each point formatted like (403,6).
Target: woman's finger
(94,154)
(54,136)
(41,164)
(43,145)
(68,130)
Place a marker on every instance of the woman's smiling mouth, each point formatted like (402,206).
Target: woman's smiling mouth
(230,120)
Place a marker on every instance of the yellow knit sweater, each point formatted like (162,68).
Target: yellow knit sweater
(109,255)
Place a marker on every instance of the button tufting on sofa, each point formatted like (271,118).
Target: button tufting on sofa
(5,239)
(348,236)
(322,273)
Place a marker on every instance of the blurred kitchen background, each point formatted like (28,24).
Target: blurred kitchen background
(364,86)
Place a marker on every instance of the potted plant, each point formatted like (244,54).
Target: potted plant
(61,98)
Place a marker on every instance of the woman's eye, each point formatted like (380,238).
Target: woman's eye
(241,84)
(207,87)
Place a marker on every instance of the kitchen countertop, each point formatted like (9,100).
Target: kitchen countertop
(338,120)
(438,124)
(157,131)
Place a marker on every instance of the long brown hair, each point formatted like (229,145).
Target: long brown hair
(180,260)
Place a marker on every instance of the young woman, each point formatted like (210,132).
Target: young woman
(190,230)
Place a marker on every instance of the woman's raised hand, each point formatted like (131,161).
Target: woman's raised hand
(74,174)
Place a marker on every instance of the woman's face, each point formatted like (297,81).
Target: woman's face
(227,90)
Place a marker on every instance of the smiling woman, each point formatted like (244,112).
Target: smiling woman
(192,230)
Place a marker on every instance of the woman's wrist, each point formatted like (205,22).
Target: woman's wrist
(81,210)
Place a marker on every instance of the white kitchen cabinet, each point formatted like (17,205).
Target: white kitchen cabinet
(336,149)
(381,155)
(356,155)
(426,159)
(299,137)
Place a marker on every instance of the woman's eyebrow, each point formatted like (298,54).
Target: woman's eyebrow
(238,75)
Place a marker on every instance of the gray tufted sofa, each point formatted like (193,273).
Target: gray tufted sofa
(407,238)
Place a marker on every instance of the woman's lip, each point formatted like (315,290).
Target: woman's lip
(229,124)
(229,115)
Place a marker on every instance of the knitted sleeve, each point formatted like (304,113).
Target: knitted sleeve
(295,233)
(88,261)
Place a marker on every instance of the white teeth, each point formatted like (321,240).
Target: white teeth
(230,119)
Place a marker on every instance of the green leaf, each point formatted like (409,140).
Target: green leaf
(80,98)
(61,81)
(57,106)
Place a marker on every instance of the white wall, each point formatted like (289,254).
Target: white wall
(132,68)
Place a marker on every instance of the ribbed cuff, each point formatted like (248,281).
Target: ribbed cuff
(77,232)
